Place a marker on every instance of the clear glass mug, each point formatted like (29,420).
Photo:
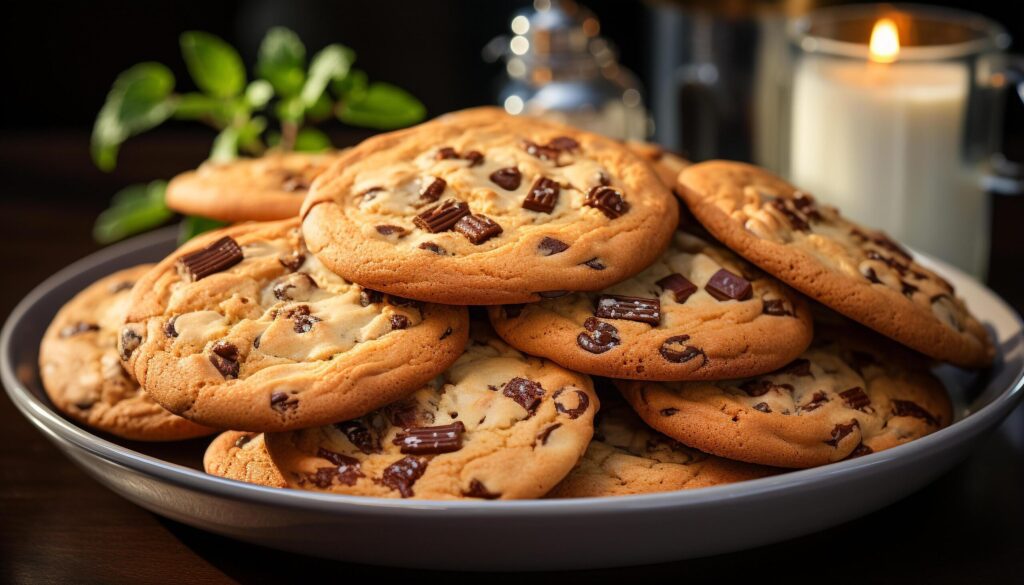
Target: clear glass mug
(901,141)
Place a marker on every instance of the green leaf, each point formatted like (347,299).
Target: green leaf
(139,100)
(134,209)
(225,145)
(193,225)
(198,106)
(322,109)
(258,93)
(383,107)
(311,140)
(282,61)
(330,64)
(290,110)
(249,134)
(351,85)
(215,66)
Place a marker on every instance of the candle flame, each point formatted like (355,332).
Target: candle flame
(885,41)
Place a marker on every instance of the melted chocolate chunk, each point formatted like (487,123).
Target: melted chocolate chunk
(545,152)
(841,431)
(668,411)
(546,433)
(387,230)
(224,357)
(403,474)
(855,398)
(582,403)
(675,350)
(806,205)
(402,413)
(218,256)
(756,388)
(860,451)
(913,409)
(543,196)
(433,191)
(563,143)
(256,341)
(677,284)
(883,241)
(447,332)
(346,472)
(369,297)
(818,399)
(130,341)
(280,402)
(297,286)
(512,311)
(775,308)
(292,260)
(551,246)
(871,275)
(798,367)
(795,219)
(763,407)
(441,217)
(607,200)
(724,285)
(399,322)
(478,490)
(595,263)
(477,228)
(475,158)
(81,327)
(446,152)
(243,440)
(431,440)
(525,393)
(432,247)
(169,328)
(303,320)
(508,178)
(629,308)
(907,289)
(600,336)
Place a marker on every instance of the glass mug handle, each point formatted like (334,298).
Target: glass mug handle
(1007,177)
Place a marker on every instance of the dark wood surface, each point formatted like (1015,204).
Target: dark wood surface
(59,526)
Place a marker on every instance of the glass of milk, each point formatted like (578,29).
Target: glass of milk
(895,113)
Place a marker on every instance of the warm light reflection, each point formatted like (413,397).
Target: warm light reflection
(885,41)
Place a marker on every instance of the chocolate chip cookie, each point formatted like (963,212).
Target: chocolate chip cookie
(850,394)
(859,272)
(243,329)
(496,425)
(666,163)
(467,208)
(697,313)
(82,374)
(626,457)
(242,457)
(266,188)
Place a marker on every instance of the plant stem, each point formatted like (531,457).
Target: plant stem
(289,132)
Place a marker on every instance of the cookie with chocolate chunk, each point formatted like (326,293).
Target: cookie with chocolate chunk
(82,374)
(859,272)
(699,312)
(464,209)
(626,457)
(666,163)
(265,188)
(850,394)
(496,425)
(244,329)
(242,457)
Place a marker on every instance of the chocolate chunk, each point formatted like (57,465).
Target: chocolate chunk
(756,388)
(80,327)
(297,286)
(545,152)
(280,402)
(806,205)
(525,393)
(292,260)
(855,398)
(603,178)
(552,294)
(595,263)
(475,158)
(860,451)
(677,284)
(795,219)
(303,320)
(675,350)
(369,297)
(841,431)
(218,256)
(775,308)
(512,311)
(582,403)
(347,471)
(432,247)
(130,341)
(441,217)
(446,152)
(508,178)
(543,196)
(818,399)
(551,246)
(447,332)
(243,440)
(763,407)
(546,433)
(403,474)
(387,230)
(913,409)
(907,289)
(724,285)
(871,275)
(224,357)
(477,228)
(600,336)
(607,200)
(668,411)
(256,342)
(399,322)
(402,413)
(563,143)
(883,241)
(433,191)
(431,440)
(169,328)
(629,308)
(798,367)
(478,490)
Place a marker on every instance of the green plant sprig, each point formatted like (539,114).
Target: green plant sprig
(297,94)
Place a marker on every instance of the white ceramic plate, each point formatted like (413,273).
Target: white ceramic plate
(541,534)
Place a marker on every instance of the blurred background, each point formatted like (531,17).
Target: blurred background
(706,78)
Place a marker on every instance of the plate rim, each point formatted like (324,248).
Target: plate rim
(50,423)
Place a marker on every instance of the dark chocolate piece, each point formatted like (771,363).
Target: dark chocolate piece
(860,451)
(795,219)
(508,178)
(818,399)
(477,228)
(446,152)
(582,403)
(680,287)
(599,337)
(292,260)
(478,490)
(756,388)
(169,328)
(403,474)
(369,297)
(218,256)
(224,357)
(475,158)
(402,413)
(304,321)
(668,411)
(595,263)
(841,431)
(724,285)
(607,200)
(447,332)
(441,217)
(525,393)
(909,408)
(434,190)
(563,143)
(675,350)
(431,440)
(387,230)
(629,308)
(360,436)
(399,322)
(551,246)
(346,472)
(432,247)
(798,367)
(297,286)
(855,398)
(280,402)
(546,433)
(130,341)
(776,308)
(543,196)
(243,440)
(763,407)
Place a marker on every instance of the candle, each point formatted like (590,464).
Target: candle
(881,139)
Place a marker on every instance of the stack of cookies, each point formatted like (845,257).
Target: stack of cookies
(334,346)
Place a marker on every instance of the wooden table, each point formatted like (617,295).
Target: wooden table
(59,526)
